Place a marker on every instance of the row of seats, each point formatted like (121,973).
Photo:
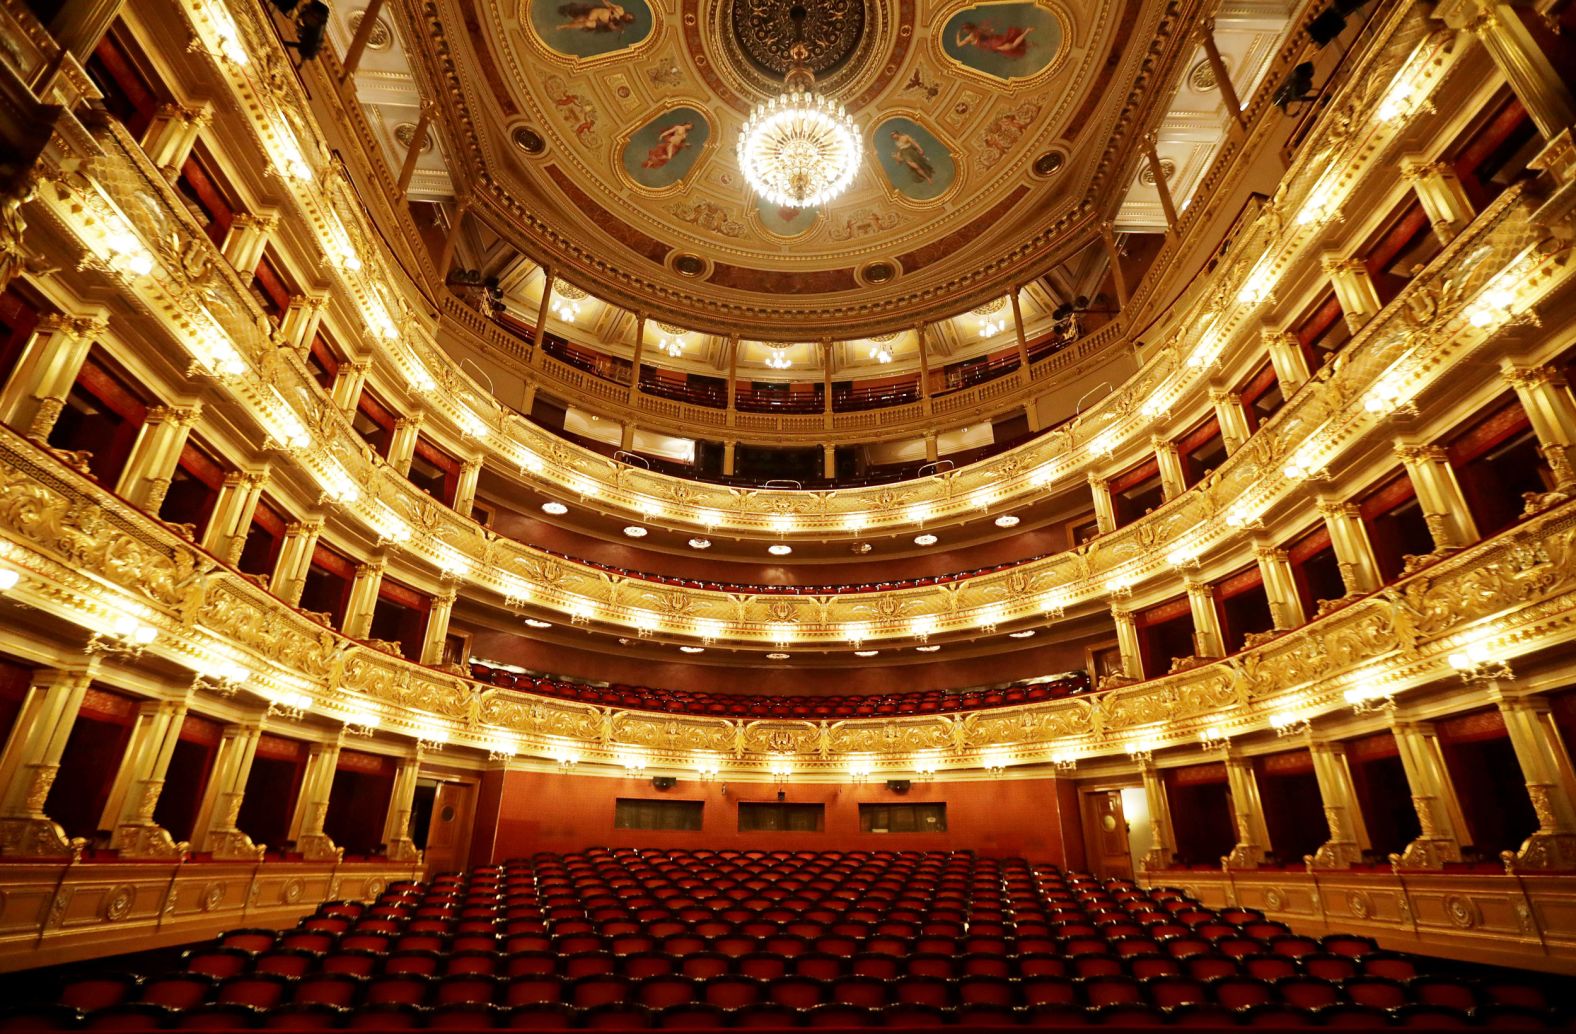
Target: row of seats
(832,706)
(634,938)
(795,590)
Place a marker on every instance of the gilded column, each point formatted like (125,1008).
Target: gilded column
(351,379)
(156,454)
(1535,738)
(1233,419)
(402,444)
(1551,410)
(1441,194)
(1354,554)
(306,825)
(1354,289)
(1114,255)
(437,632)
(31,761)
(302,319)
(1439,494)
(465,488)
(418,143)
(728,449)
(1207,639)
(402,799)
(924,372)
(1280,586)
(1127,643)
(1432,796)
(1162,839)
(451,240)
(36,392)
(138,785)
(1205,34)
(248,236)
(1288,359)
(233,511)
(829,461)
(1158,172)
(359,41)
(216,831)
(634,363)
(364,598)
(172,135)
(1104,505)
(1527,67)
(1173,482)
(80,25)
(1342,813)
(295,559)
(1022,338)
(1247,813)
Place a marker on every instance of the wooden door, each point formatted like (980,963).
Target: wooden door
(1106,834)
(449,832)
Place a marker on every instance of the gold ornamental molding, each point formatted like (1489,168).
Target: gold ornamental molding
(90,560)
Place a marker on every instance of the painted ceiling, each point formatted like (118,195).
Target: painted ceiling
(599,135)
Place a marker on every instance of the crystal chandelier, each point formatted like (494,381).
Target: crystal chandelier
(799,150)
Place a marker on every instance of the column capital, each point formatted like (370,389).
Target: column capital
(1340,264)
(1267,552)
(305,526)
(1103,484)
(411,421)
(1415,169)
(1160,443)
(1411,453)
(73,326)
(446,598)
(373,565)
(1529,377)
(1121,613)
(1336,509)
(1204,30)
(1201,589)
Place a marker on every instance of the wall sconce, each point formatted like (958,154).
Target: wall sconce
(925,769)
(565,758)
(1065,761)
(706,769)
(1286,724)
(634,765)
(1119,587)
(781,771)
(995,764)
(1141,751)
(127,637)
(1239,517)
(859,771)
(223,680)
(1183,558)
(502,748)
(291,707)
(1213,738)
(1053,604)
(362,724)
(431,740)
(1370,700)
(1476,663)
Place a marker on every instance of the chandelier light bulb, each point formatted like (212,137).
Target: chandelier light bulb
(799,150)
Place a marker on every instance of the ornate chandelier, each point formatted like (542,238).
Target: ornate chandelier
(799,149)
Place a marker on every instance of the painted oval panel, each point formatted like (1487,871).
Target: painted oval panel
(918,165)
(784,221)
(1011,40)
(590,28)
(664,150)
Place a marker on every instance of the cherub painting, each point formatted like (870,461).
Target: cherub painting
(590,28)
(1011,40)
(916,163)
(664,150)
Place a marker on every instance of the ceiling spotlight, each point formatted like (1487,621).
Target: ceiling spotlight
(538,623)
(926,539)
(866,653)
(699,543)
(927,649)
(1006,520)
(635,531)
(692,649)
(779,549)
(777,657)
(1027,633)
(555,508)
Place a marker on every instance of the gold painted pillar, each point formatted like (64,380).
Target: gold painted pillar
(1173,481)
(233,511)
(451,240)
(437,632)
(1527,67)
(465,487)
(172,135)
(306,825)
(364,597)
(295,559)
(924,373)
(80,25)
(1354,289)
(1349,539)
(1550,787)
(634,363)
(1288,359)
(402,800)
(1439,494)
(829,461)
(248,237)
(1104,504)
(1280,586)
(1167,204)
(31,760)
(728,450)
(1207,638)
(1108,236)
(733,376)
(215,832)
(1438,814)
(1127,646)
(1233,419)
(1247,814)
(1205,34)
(1551,409)
(538,332)
(138,785)
(1162,838)
(156,454)
(402,444)
(418,141)
(1441,194)
(1342,812)
(302,319)
(1022,338)
(36,392)
(350,380)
